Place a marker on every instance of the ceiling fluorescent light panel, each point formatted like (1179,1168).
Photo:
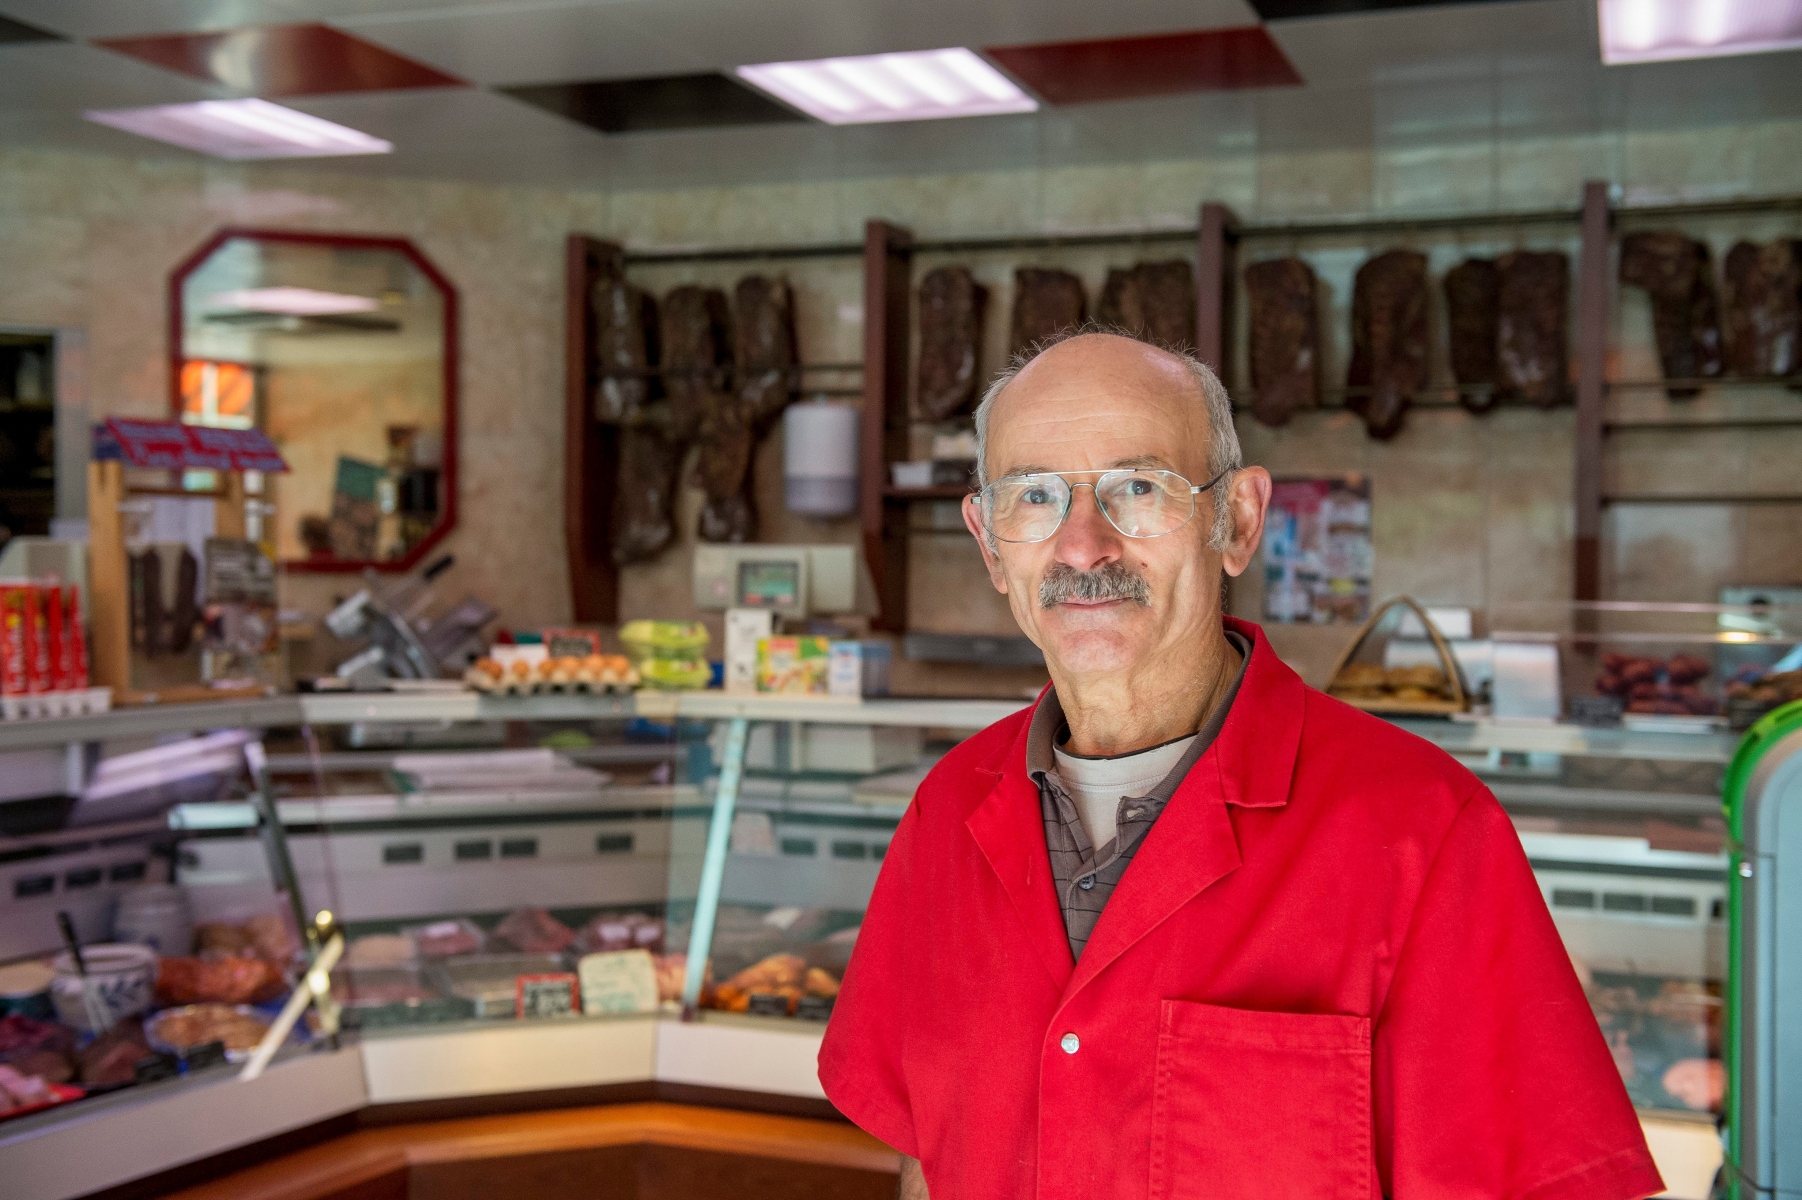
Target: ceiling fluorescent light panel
(916,86)
(291,301)
(242,129)
(1635,31)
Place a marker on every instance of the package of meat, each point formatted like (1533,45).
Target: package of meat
(763,325)
(1764,308)
(1285,338)
(1473,291)
(644,507)
(1046,303)
(534,931)
(625,347)
(1389,339)
(111,1059)
(1533,326)
(442,939)
(1674,271)
(951,311)
(182,980)
(1154,302)
(621,931)
(696,343)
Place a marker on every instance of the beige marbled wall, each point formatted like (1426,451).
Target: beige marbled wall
(1468,510)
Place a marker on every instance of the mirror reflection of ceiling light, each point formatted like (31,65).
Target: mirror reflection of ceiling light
(916,86)
(291,301)
(241,129)
(1636,31)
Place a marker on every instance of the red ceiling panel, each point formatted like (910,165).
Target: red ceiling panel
(1159,65)
(283,60)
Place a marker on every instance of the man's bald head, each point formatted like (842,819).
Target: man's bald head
(1107,358)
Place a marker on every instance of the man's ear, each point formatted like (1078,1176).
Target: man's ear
(973,522)
(1249,498)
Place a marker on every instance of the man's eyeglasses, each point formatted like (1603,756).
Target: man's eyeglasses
(1140,504)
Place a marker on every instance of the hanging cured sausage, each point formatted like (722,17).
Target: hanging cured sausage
(1285,338)
(1154,302)
(951,310)
(1764,308)
(1389,339)
(1532,327)
(644,518)
(1473,311)
(697,353)
(763,322)
(1046,303)
(1674,271)
(625,344)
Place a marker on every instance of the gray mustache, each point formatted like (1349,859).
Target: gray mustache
(1110,582)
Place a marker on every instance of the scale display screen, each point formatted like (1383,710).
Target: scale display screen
(771,583)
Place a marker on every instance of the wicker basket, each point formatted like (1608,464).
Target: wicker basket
(1452,699)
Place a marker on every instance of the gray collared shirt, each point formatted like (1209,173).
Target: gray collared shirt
(1084,876)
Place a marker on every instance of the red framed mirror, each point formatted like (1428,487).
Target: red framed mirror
(343,349)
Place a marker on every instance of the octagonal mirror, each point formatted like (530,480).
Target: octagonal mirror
(343,350)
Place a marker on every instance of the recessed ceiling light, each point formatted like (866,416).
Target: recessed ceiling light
(242,129)
(291,301)
(1657,30)
(916,86)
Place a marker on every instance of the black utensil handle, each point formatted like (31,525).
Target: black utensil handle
(440,567)
(67,927)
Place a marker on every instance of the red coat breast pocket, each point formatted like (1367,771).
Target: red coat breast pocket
(1271,1105)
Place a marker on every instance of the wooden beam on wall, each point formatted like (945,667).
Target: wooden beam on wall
(1213,285)
(887,284)
(1592,356)
(590,449)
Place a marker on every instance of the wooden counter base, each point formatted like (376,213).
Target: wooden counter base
(626,1151)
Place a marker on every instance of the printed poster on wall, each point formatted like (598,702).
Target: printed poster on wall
(1317,554)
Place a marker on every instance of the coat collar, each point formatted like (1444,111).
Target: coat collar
(1192,844)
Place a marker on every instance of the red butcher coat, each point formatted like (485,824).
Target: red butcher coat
(1328,974)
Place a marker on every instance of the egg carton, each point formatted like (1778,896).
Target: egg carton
(77,702)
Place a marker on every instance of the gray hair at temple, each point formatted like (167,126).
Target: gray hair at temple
(1224,454)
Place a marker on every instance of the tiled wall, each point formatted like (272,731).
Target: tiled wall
(1467,510)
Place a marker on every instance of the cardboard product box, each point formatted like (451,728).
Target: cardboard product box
(745,628)
(793,665)
(859,669)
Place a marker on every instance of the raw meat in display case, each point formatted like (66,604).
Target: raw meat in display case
(1285,339)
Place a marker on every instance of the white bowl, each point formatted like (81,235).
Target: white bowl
(121,976)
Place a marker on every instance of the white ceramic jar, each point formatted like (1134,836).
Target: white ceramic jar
(155,915)
(121,978)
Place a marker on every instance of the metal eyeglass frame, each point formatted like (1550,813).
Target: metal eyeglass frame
(1070,499)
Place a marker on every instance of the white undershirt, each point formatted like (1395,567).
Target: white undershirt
(1097,785)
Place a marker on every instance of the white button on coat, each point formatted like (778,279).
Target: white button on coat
(1070,1043)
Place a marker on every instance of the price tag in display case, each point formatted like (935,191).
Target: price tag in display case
(620,981)
(544,996)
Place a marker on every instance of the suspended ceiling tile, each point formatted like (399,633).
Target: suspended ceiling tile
(1279,10)
(1450,43)
(68,78)
(13,32)
(702,101)
(1157,65)
(123,18)
(534,45)
(283,60)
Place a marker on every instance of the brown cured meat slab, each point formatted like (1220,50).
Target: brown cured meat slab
(625,345)
(1285,338)
(951,311)
(1764,308)
(697,352)
(1532,328)
(1389,340)
(1154,302)
(644,510)
(1046,303)
(1473,292)
(723,469)
(763,323)
(1686,322)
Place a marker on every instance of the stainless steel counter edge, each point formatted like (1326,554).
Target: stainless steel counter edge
(324,709)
